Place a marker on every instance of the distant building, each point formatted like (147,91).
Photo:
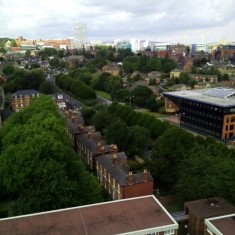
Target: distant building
(22,99)
(204,78)
(113,69)
(80,37)
(139,216)
(58,44)
(199,47)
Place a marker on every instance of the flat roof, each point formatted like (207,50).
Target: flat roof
(126,216)
(223,97)
(222,225)
(210,207)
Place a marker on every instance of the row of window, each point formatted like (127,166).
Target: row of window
(200,113)
(202,129)
(200,121)
(201,105)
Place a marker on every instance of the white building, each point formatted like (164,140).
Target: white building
(80,37)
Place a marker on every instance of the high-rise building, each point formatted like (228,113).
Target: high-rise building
(79,35)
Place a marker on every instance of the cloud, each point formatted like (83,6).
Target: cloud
(108,20)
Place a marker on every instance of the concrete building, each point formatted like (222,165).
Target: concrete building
(80,37)
(136,216)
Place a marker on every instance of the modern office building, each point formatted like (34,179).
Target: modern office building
(80,37)
(210,112)
(199,47)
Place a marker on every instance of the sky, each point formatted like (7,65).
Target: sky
(173,21)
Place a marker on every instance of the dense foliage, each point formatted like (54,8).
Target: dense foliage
(145,64)
(39,169)
(76,86)
(22,79)
(192,166)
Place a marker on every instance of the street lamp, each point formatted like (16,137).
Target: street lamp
(179,117)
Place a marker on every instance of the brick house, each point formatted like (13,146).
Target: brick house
(113,69)
(91,145)
(115,176)
(200,210)
(204,78)
(221,225)
(170,106)
(153,75)
(22,98)
(139,216)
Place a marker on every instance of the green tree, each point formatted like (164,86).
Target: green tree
(87,114)
(8,69)
(101,119)
(28,53)
(154,65)
(117,133)
(138,140)
(141,94)
(170,148)
(203,175)
(46,173)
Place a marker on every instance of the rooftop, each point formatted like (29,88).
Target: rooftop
(210,207)
(220,96)
(25,93)
(120,169)
(223,225)
(108,218)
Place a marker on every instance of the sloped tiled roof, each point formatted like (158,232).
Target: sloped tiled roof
(25,93)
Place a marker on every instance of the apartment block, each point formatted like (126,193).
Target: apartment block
(22,98)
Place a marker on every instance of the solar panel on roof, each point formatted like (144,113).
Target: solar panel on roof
(220,92)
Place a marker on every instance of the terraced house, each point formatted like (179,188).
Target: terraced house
(114,174)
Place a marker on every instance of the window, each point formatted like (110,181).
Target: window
(167,232)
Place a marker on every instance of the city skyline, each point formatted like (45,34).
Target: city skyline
(182,21)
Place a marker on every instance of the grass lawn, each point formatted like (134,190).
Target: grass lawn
(157,115)
(103,94)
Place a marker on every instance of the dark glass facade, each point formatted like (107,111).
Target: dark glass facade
(201,117)
(206,118)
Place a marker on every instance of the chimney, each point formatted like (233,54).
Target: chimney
(114,148)
(102,150)
(72,118)
(99,145)
(130,178)
(114,158)
(89,135)
(80,127)
(145,175)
